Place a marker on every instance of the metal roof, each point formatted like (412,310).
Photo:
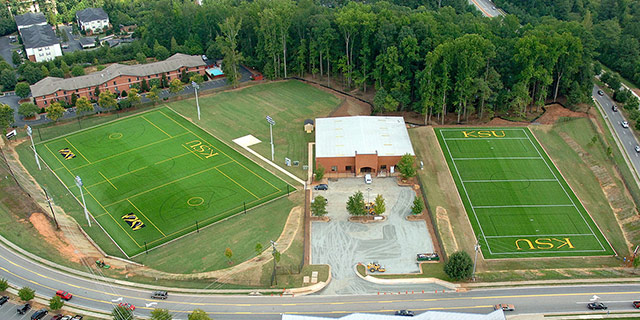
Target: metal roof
(50,85)
(38,36)
(91,14)
(346,136)
(30,18)
(429,315)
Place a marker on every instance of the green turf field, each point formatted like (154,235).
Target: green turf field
(155,176)
(517,201)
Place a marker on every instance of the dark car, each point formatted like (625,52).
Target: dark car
(64,295)
(404,313)
(636,304)
(159,295)
(614,108)
(597,306)
(39,314)
(57,317)
(3,299)
(321,186)
(24,309)
(600,93)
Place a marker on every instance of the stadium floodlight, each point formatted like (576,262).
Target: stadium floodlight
(195,88)
(84,204)
(30,133)
(477,248)
(271,124)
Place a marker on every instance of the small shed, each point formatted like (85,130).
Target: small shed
(308,125)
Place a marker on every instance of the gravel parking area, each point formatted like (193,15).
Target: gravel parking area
(393,243)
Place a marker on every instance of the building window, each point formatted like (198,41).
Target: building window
(137,78)
(383,167)
(348,168)
(56,94)
(114,83)
(76,90)
(45,102)
(334,168)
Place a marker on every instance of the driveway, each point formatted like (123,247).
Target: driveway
(74,41)
(393,243)
(7,48)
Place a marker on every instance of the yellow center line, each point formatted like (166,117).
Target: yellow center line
(77,150)
(147,218)
(153,124)
(107,180)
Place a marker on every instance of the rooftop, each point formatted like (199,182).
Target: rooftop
(346,136)
(429,315)
(91,14)
(50,85)
(30,18)
(38,36)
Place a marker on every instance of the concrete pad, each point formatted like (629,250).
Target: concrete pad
(247,140)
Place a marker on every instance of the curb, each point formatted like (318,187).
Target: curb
(446,284)
(312,288)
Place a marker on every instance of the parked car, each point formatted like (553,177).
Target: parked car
(3,299)
(77,317)
(636,304)
(24,308)
(64,295)
(625,124)
(126,305)
(614,108)
(321,186)
(60,317)
(367,178)
(597,306)
(159,295)
(404,313)
(39,314)
(600,93)
(504,307)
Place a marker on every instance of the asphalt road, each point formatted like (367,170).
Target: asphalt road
(625,134)
(487,7)
(7,48)
(74,41)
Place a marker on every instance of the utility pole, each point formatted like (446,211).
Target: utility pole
(51,208)
(475,260)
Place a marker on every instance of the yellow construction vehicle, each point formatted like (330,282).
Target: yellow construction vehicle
(368,206)
(374,266)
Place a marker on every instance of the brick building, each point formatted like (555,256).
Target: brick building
(361,144)
(115,78)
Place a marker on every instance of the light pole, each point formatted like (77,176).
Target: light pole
(196,87)
(475,260)
(84,205)
(271,124)
(30,133)
(368,189)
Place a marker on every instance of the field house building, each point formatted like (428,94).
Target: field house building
(115,78)
(361,144)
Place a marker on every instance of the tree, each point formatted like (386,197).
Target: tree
(23,90)
(56,72)
(258,249)
(77,71)
(229,254)
(6,115)
(16,58)
(55,111)
(164,83)
(84,105)
(379,206)
(26,293)
(153,94)
(198,314)
(4,284)
(319,206)
(121,313)
(406,166)
(227,42)
(28,109)
(176,86)
(141,58)
(183,76)
(319,173)
(459,266)
(96,92)
(133,97)
(106,100)
(418,206)
(8,79)
(197,78)
(65,68)
(55,303)
(144,87)
(160,314)
(161,52)
(355,204)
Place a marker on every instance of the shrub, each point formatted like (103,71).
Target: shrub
(26,293)
(459,266)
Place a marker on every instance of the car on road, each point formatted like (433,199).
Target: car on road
(625,124)
(39,314)
(159,295)
(636,304)
(600,93)
(24,308)
(322,186)
(367,178)
(3,299)
(405,313)
(127,305)
(614,108)
(64,295)
(504,307)
(597,306)
(638,149)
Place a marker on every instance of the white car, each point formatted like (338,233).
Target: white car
(367,178)
(625,124)
(638,149)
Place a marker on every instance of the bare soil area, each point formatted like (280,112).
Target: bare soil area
(555,111)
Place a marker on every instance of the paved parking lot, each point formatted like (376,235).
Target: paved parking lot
(393,243)
(8,311)
(7,48)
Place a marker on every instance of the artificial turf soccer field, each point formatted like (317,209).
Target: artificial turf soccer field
(147,179)
(518,203)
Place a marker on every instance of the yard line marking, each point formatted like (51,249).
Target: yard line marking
(153,124)
(175,157)
(78,150)
(241,186)
(192,151)
(168,183)
(114,220)
(514,180)
(134,149)
(542,235)
(116,177)
(107,180)
(498,158)
(524,206)
(154,225)
(566,193)
(472,138)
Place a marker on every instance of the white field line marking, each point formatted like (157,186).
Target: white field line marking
(499,158)
(542,235)
(566,193)
(524,206)
(515,180)
(466,193)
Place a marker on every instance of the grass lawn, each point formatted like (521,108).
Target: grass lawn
(518,203)
(233,114)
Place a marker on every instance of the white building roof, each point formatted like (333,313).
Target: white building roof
(346,136)
(429,315)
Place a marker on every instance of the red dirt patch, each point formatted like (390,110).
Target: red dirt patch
(55,238)
(555,111)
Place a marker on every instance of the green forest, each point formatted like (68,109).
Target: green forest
(436,57)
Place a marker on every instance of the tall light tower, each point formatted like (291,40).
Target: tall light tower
(196,87)
(30,133)
(271,124)
(84,204)
(475,260)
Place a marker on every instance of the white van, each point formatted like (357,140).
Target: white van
(367,178)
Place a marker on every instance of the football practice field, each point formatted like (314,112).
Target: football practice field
(155,176)
(518,203)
